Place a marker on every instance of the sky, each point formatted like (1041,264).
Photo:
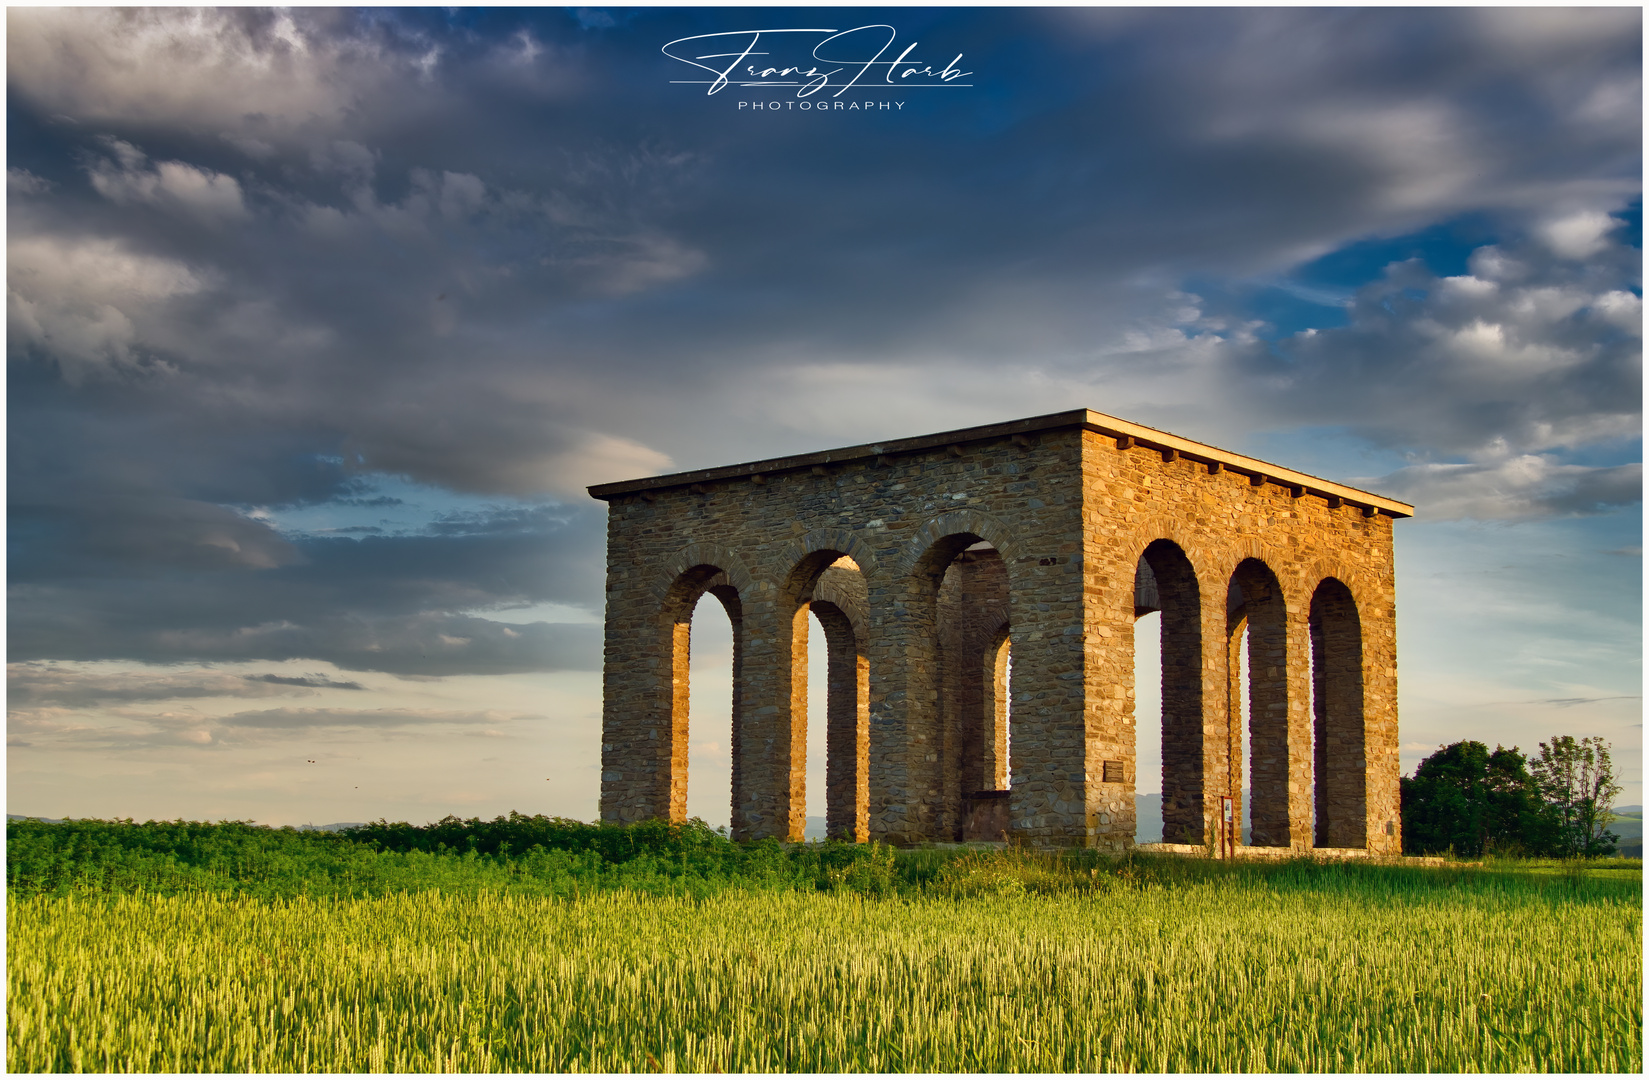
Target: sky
(320,322)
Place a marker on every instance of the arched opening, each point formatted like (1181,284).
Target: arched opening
(1239,756)
(818,704)
(1338,743)
(1148,727)
(1166,583)
(1245,766)
(996,749)
(830,720)
(710,715)
(712,648)
(1257,623)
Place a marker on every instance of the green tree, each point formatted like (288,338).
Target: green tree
(1468,800)
(1577,781)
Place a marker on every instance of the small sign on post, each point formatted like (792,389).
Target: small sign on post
(1228,832)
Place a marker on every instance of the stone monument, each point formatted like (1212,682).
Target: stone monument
(978,590)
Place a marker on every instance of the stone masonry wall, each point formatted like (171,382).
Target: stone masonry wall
(1218,518)
(1069,506)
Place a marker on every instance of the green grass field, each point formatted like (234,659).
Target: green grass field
(936,961)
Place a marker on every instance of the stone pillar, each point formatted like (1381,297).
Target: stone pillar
(903,654)
(1105,675)
(1216,760)
(847,726)
(1301,755)
(637,743)
(680,662)
(1377,609)
(771,765)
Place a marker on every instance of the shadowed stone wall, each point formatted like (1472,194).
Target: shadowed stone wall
(1078,523)
(973,632)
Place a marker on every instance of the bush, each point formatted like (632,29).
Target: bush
(1470,801)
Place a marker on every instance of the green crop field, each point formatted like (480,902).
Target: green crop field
(937,961)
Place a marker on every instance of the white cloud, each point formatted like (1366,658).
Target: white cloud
(1528,354)
(85,302)
(236,72)
(597,458)
(23,182)
(202,193)
(1577,236)
(1518,488)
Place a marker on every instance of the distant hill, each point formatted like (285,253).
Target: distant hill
(336,826)
(1147,819)
(1628,825)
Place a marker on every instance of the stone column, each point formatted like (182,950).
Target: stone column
(771,767)
(1301,756)
(903,655)
(1215,764)
(1378,617)
(638,744)
(1106,766)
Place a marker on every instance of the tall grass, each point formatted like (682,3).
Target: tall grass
(989,963)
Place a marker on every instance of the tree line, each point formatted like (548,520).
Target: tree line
(1472,801)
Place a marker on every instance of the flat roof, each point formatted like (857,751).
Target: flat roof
(1083,418)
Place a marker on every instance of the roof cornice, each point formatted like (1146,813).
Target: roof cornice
(1087,419)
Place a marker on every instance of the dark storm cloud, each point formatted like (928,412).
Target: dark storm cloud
(257,258)
(308,719)
(400,604)
(37,685)
(315,681)
(136,729)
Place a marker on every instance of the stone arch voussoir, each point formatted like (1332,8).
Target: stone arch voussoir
(848,595)
(1364,594)
(722,558)
(987,528)
(846,541)
(1147,531)
(1296,598)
